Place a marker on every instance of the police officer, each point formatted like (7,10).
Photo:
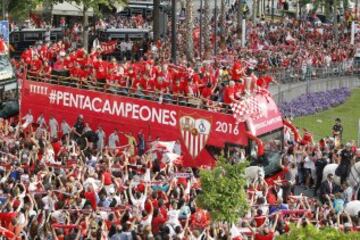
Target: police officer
(337,129)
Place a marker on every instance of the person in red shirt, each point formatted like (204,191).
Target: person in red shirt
(160,85)
(265,233)
(259,218)
(264,81)
(136,84)
(59,65)
(157,221)
(147,84)
(100,69)
(230,93)
(239,88)
(36,65)
(177,89)
(90,195)
(46,70)
(237,71)
(307,138)
(79,75)
(113,75)
(69,64)
(27,55)
(131,75)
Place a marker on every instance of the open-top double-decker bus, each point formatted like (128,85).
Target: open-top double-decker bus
(202,133)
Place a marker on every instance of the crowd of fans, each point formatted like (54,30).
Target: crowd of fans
(119,21)
(67,181)
(274,46)
(63,180)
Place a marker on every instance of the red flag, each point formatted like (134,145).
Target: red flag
(248,107)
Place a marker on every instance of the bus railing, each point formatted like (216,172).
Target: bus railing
(157,96)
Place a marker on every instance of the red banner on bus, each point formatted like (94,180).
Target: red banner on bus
(199,131)
(108,47)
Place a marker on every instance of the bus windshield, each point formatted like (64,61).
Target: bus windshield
(4,62)
(273,145)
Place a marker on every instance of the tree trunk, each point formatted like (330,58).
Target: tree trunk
(240,19)
(173,32)
(85,30)
(189,48)
(4,6)
(254,11)
(356,8)
(206,29)
(327,10)
(335,19)
(222,24)
(156,20)
(239,14)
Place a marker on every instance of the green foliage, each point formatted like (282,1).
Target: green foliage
(223,191)
(20,9)
(311,233)
(94,4)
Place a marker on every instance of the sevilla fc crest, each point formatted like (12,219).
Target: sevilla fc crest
(195,133)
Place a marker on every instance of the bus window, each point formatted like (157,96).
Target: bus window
(136,37)
(8,95)
(53,37)
(137,11)
(273,145)
(9,105)
(234,152)
(117,36)
(32,36)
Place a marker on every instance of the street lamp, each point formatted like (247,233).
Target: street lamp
(173,31)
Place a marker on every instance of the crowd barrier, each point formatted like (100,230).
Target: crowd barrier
(296,74)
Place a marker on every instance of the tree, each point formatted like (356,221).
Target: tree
(189,42)
(86,6)
(223,191)
(310,232)
(18,9)
(156,20)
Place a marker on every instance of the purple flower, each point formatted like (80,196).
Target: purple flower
(312,103)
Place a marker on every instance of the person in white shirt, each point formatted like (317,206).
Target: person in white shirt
(28,118)
(101,138)
(41,121)
(49,202)
(309,168)
(113,139)
(140,199)
(65,128)
(173,216)
(348,192)
(54,127)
